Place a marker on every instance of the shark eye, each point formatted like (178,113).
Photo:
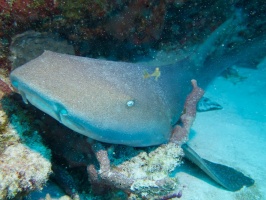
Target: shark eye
(130,103)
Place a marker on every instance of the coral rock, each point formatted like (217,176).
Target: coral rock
(21,170)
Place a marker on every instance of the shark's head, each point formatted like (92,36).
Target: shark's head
(106,101)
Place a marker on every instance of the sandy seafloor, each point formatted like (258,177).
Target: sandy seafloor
(234,136)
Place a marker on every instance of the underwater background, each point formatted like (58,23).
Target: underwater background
(42,159)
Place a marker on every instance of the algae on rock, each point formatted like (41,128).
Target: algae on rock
(24,161)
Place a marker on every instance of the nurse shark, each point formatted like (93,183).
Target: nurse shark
(112,101)
(131,104)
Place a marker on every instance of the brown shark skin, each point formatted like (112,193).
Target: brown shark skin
(90,97)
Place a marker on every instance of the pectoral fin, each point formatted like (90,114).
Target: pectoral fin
(227,177)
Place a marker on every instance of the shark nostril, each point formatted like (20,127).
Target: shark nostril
(130,103)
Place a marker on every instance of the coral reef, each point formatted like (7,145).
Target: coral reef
(17,16)
(145,175)
(5,85)
(4,53)
(24,160)
(24,11)
(31,44)
(5,88)
(22,170)
(112,29)
(103,28)
(141,22)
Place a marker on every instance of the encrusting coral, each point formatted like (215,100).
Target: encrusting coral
(24,160)
(21,170)
(5,85)
(145,175)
